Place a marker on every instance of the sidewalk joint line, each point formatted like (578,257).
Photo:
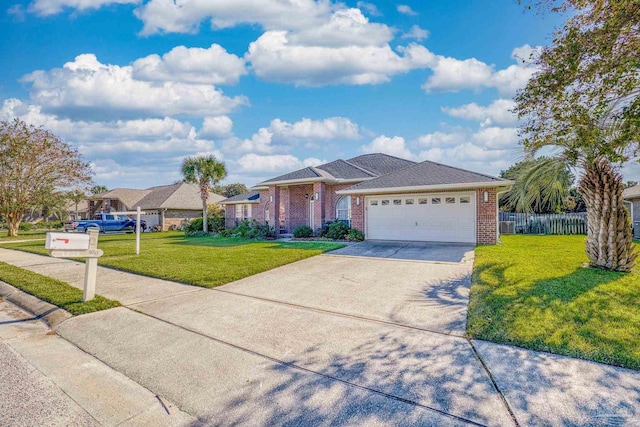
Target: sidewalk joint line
(340,314)
(294,366)
(495,384)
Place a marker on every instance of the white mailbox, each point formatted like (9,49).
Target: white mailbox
(67,241)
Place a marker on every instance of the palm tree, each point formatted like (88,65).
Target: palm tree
(206,171)
(594,149)
(76,196)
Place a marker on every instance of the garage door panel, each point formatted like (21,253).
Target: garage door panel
(444,222)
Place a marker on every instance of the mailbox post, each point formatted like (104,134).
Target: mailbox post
(76,245)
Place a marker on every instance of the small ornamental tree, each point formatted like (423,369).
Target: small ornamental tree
(205,171)
(34,166)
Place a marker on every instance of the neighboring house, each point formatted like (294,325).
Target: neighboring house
(78,211)
(385,197)
(632,199)
(166,205)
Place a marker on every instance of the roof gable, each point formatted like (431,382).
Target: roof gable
(340,169)
(130,197)
(306,173)
(426,174)
(380,164)
(632,192)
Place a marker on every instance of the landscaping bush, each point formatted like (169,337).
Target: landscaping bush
(324,229)
(355,235)
(302,231)
(214,225)
(337,230)
(253,230)
(25,226)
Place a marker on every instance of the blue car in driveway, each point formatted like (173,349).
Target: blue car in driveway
(105,222)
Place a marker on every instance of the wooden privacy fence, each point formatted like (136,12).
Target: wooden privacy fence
(522,223)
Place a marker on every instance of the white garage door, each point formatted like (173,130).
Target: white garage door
(151,218)
(447,217)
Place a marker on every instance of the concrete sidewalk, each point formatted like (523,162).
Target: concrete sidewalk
(298,346)
(46,380)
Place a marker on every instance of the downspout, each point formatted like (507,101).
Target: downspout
(498,193)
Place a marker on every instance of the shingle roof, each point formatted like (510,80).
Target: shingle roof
(362,167)
(426,174)
(175,196)
(632,192)
(249,196)
(128,196)
(342,170)
(380,164)
(299,174)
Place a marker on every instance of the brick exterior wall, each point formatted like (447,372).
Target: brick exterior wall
(296,209)
(487,217)
(357,212)
(299,206)
(332,200)
(176,218)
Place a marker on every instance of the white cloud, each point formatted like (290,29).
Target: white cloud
(306,129)
(486,150)
(394,146)
(216,126)
(496,137)
(498,112)
(370,8)
(253,163)
(345,27)
(169,16)
(416,33)
(274,58)
(453,75)
(406,10)
(52,7)
(440,139)
(86,88)
(280,135)
(191,65)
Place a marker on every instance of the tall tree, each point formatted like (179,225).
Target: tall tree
(205,171)
(34,165)
(584,101)
(231,190)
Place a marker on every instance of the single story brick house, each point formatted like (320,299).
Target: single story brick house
(165,205)
(632,198)
(385,197)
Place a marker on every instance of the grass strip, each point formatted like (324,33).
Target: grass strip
(53,291)
(536,292)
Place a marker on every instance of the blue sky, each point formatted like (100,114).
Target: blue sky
(269,85)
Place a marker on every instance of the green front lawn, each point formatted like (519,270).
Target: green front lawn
(54,291)
(24,235)
(534,292)
(201,261)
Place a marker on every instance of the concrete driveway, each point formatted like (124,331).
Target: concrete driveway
(417,251)
(336,340)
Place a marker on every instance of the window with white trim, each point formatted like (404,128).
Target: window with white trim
(343,209)
(374,203)
(243,211)
(465,200)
